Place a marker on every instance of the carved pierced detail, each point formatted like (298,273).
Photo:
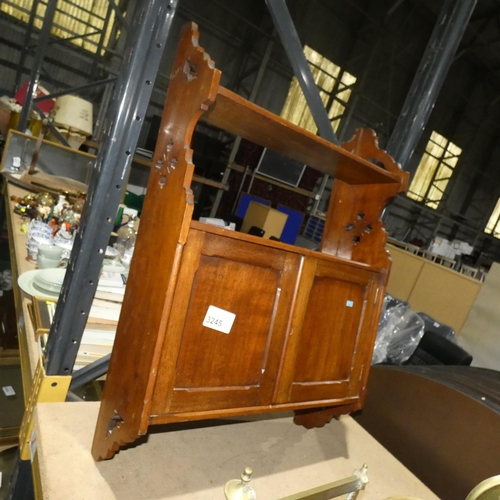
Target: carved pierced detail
(359,227)
(365,145)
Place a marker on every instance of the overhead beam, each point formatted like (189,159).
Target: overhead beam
(293,48)
(434,66)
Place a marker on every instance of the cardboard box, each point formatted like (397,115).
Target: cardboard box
(268,219)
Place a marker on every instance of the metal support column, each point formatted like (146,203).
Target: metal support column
(319,194)
(90,372)
(43,40)
(438,56)
(293,47)
(124,120)
(291,42)
(26,46)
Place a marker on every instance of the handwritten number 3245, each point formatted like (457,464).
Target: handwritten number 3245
(214,321)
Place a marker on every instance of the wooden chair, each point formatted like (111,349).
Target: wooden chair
(217,323)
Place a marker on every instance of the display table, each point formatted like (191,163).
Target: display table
(28,346)
(194,461)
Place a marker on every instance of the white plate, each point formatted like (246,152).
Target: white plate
(50,279)
(25,282)
(45,288)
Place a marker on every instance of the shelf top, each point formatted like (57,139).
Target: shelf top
(278,245)
(238,116)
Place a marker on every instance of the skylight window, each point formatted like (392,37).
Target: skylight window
(335,88)
(82,23)
(493,226)
(434,171)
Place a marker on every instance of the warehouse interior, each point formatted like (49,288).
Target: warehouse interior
(375,64)
(380,45)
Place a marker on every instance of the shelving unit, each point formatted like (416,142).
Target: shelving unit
(168,364)
(38,49)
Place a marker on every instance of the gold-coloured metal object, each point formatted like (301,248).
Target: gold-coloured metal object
(28,199)
(351,485)
(240,489)
(489,489)
(79,202)
(45,199)
(45,389)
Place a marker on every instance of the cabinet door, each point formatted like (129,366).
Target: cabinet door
(203,368)
(331,340)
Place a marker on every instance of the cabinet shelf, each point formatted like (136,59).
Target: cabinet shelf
(234,114)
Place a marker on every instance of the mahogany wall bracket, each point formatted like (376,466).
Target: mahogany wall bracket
(304,322)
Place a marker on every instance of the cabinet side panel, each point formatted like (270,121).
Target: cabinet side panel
(353,228)
(165,219)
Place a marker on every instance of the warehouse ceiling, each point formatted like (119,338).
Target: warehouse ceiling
(481,40)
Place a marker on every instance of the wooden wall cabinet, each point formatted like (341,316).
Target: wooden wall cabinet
(304,321)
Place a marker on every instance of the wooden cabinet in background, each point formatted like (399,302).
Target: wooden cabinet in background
(302,323)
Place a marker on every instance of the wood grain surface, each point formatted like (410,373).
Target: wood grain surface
(304,321)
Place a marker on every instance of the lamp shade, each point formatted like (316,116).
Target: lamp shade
(73,113)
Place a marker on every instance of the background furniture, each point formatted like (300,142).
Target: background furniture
(245,201)
(314,228)
(292,224)
(480,334)
(433,349)
(270,220)
(441,292)
(304,321)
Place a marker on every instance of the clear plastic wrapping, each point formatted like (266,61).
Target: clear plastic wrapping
(399,332)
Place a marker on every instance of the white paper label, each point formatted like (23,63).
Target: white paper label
(218,319)
(349,303)
(8,390)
